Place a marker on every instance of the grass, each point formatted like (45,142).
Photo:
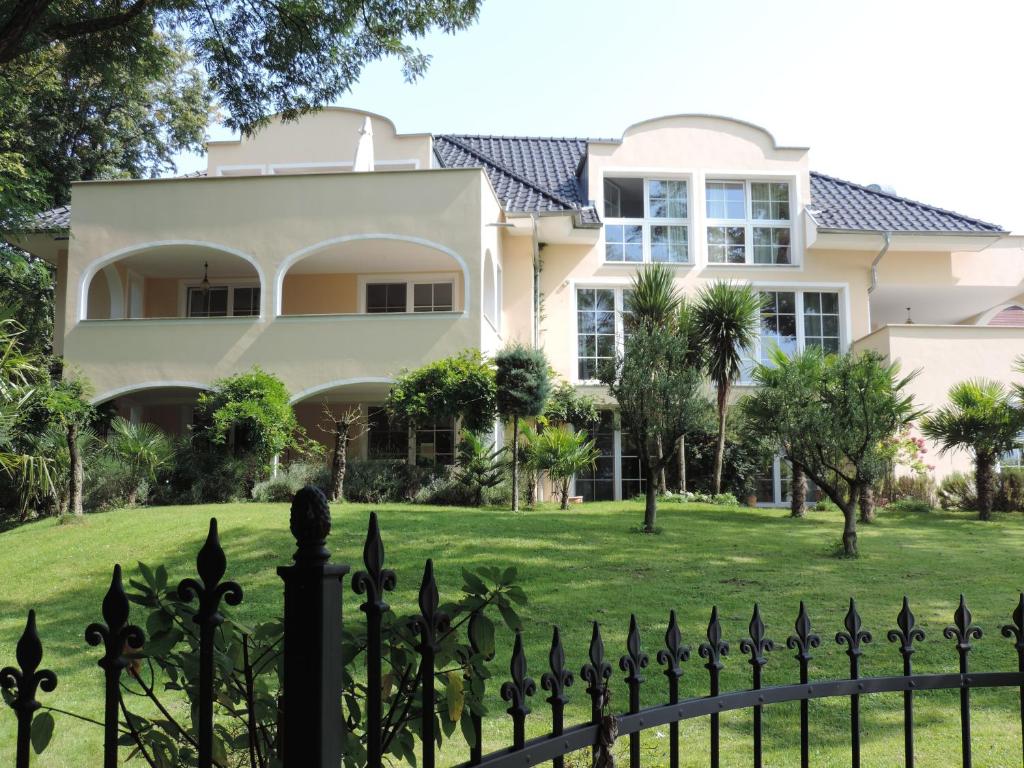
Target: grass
(577,566)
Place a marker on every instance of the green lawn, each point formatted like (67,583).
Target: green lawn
(581,565)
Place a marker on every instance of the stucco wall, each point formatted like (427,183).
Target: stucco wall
(270,219)
(944,355)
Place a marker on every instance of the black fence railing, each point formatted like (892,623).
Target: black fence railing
(312,721)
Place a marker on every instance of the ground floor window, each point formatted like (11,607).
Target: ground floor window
(435,444)
(617,473)
(384,438)
(775,484)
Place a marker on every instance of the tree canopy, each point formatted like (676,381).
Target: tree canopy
(831,414)
(459,388)
(259,58)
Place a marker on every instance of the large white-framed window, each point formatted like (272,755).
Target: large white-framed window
(646,220)
(749,221)
(391,295)
(794,319)
(232,300)
(600,328)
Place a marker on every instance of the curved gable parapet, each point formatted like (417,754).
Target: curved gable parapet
(715,122)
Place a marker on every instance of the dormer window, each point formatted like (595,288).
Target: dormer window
(748,222)
(647,220)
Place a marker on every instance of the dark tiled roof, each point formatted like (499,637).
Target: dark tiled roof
(528,174)
(843,205)
(54,219)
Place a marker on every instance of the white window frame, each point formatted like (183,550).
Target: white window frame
(648,221)
(749,223)
(618,290)
(751,361)
(411,282)
(231,285)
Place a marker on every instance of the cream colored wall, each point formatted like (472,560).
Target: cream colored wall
(328,136)
(944,355)
(99,297)
(270,218)
(517,289)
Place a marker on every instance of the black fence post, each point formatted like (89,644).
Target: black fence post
(671,656)
(24,682)
(963,631)
(854,636)
(117,637)
(907,633)
(312,722)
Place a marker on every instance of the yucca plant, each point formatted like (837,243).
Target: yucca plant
(982,419)
(563,453)
(142,449)
(653,298)
(726,318)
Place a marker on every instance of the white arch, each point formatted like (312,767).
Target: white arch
(987,316)
(116,290)
(299,255)
(118,391)
(96,266)
(306,393)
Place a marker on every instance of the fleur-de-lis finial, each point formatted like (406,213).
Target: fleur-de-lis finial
(635,660)
(855,634)
(559,678)
(1015,631)
(963,629)
(376,579)
(521,686)
(757,644)
(674,653)
(597,671)
(803,641)
(715,647)
(117,635)
(431,623)
(25,680)
(907,631)
(211,565)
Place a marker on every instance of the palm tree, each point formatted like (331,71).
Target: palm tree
(981,418)
(563,453)
(653,298)
(726,318)
(140,448)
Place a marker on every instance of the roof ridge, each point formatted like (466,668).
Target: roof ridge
(902,199)
(506,170)
(518,137)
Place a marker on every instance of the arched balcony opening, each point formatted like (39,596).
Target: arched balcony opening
(173,280)
(374,435)
(171,407)
(373,274)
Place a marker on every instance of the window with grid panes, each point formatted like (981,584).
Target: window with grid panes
(646,220)
(748,222)
(598,484)
(595,331)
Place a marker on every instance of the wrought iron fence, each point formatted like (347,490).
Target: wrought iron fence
(312,719)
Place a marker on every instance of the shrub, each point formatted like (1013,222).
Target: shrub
(111,484)
(720,499)
(198,476)
(825,504)
(914,487)
(377,481)
(446,491)
(274,491)
(290,478)
(1010,491)
(956,491)
(913,506)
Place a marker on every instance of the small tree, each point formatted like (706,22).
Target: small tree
(831,414)
(343,429)
(459,388)
(479,465)
(563,453)
(567,406)
(980,418)
(726,319)
(142,449)
(67,405)
(523,387)
(250,414)
(660,396)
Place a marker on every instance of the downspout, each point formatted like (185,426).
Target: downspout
(886,242)
(536,282)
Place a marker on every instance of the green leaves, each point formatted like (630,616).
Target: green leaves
(461,388)
(42,731)
(523,381)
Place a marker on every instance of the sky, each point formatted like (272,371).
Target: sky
(923,97)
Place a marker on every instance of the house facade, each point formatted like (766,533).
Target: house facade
(335,252)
